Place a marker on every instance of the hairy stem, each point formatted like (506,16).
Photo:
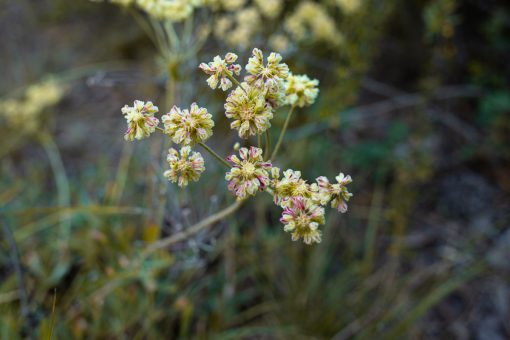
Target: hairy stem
(282,133)
(183,235)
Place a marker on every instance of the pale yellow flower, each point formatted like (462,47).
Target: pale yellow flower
(174,10)
(291,186)
(220,70)
(311,21)
(249,174)
(140,119)
(337,193)
(301,90)
(266,74)
(184,166)
(302,219)
(188,127)
(270,8)
(249,109)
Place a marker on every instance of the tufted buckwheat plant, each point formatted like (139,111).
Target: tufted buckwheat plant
(251,105)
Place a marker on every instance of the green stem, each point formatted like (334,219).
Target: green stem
(259,141)
(235,81)
(215,155)
(282,133)
(268,144)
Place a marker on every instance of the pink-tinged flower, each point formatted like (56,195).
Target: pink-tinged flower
(248,108)
(337,193)
(249,174)
(185,166)
(140,119)
(188,127)
(220,70)
(302,219)
(268,74)
(291,186)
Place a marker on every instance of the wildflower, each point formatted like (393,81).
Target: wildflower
(270,8)
(301,90)
(248,174)
(184,168)
(248,107)
(247,23)
(311,21)
(174,10)
(220,70)
(269,74)
(302,219)
(337,193)
(291,186)
(140,119)
(188,127)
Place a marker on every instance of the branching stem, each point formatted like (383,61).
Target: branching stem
(282,133)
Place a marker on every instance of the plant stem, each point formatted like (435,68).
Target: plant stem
(235,81)
(215,155)
(183,235)
(282,133)
(259,141)
(268,145)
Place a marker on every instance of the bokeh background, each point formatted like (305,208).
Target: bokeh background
(414,104)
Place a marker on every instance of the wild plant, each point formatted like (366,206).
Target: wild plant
(267,86)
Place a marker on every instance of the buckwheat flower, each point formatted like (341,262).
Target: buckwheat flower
(174,10)
(302,220)
(266,74)
(291,186)
(140,119)
(220,70)
(249,109)
(249,173)
(301,90)
(188,127)
(184,166)
(337,193)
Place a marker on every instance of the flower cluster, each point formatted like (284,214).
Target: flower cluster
(188,127)
(302,203)
(247,106)
(301,90)
(267,86)
(221,70)
(25,113)
(140,119)
(249,173)
(185,166)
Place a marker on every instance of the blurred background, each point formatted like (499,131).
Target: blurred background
(414,104)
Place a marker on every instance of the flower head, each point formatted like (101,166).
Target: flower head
(269,74)
(249,109)
(302,218)
(188,127)
(337,193)
(249,174)
(174,10)
(220,70)
(291,186)
(184,167)
(140,119)
(301,90)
